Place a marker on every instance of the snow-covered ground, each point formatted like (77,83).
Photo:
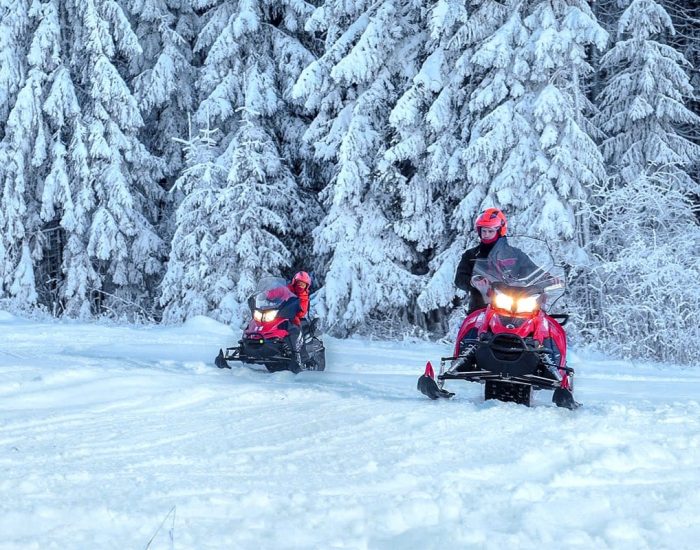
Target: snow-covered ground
(111,437)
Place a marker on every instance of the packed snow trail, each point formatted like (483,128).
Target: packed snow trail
(111,434)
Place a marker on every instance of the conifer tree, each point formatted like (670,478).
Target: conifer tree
(531,149)
(166,76)
(647,233)
(25,152)
(188,287)
(72,159)
(370,48)
(511,125)
(260,194)
(255,50)
(642,105)
(123,175)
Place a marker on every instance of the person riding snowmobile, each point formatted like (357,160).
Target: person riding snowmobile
(492,228)
(301,282)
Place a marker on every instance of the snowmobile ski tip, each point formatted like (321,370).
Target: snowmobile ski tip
(428,386)
(220,361)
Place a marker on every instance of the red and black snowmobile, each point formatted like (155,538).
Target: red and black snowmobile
(267,341)
(512,346)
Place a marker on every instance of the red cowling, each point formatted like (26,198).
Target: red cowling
(540,326)
(267,330)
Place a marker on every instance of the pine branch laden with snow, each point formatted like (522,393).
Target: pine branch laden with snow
(255,50)
(648,250)
(74,159)
(532,150)
(646,225)
(370,52)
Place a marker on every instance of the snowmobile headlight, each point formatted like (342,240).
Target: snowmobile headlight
(528,304)
(258,315)
(269,315)
(503,301)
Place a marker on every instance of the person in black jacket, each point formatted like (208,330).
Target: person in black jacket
(492,227)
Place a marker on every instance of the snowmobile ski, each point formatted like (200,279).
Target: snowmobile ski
(564,398)
(429,387)
(220,361)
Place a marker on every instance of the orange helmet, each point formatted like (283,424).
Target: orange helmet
(302,277)
(494,218)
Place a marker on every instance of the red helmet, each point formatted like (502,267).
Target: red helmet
(493,218)
(302,277)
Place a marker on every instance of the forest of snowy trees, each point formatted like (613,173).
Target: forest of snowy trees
(158,156)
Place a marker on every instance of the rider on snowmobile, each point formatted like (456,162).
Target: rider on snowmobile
(301,282)
(491,227)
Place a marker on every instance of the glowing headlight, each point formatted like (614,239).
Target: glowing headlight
(503,301)
(527,305)
(269,315)
(258,315)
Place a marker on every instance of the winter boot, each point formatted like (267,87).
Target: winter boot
(298,360)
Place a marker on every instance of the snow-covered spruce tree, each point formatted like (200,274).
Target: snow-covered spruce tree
(164,85)
(48,117)
(524,142)
(648,235)
(123,176)
(255,50)
(531,149)
(14,26)
(65,171)
(188,286)
(370,55)
(642,105)
(71,159)
(260,193)
(165,88)
(432,120)
(27,150)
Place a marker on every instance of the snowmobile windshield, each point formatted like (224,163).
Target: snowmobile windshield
(527,267)
(271,292)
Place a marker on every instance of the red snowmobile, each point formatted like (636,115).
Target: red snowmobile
(266,340)
(512,346)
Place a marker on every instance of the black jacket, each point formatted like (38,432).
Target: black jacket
(522,263)
(464,274)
